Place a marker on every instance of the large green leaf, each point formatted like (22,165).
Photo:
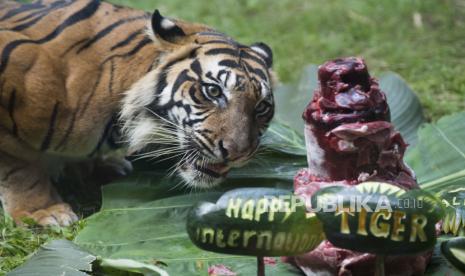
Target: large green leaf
(438,160)
(439,266)
(137,222)
(280,137)
(59,257)
(291,99)
(439,157)
(63,257)
(406,111)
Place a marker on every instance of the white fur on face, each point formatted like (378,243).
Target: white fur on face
(190,175)
(137,124)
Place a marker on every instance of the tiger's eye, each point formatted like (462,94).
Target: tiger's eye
(214,91)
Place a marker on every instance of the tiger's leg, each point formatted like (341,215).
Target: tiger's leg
(26,191)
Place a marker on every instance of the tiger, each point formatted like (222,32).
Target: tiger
(81,79)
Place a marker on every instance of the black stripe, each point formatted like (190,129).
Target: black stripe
(2,83)
(51,129)
(126,41)
(139,46)
(7,52)
(257,71)
(112,72)
(233,52)
(77,43)
(203,146)
(21,9)
(259,60)
(222,51)
(210,76)
(77,17)
(194,98)
(134,51)
(223,150)
(11,172)
(200,113)
(53,6)
(34,184)
(26,25)
(11,109)
(92,92)
(212,33)
(197,68)
(194,121)
(161,81)
(205,130)
(228,42)
(104,136)
(204,136)
(64,140)
(229,63)
(180,80)
(40,15)
(228,74)
(100,35)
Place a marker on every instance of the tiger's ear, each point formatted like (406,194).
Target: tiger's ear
(264,51)
(166,29)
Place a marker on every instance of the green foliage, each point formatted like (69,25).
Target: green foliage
(59,257)
(454,251)
(439,156)
(146,225)
(62,257)
(17,243)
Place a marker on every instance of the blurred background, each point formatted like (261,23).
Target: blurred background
(422,40)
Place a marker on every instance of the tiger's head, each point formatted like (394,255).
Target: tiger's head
(207,101)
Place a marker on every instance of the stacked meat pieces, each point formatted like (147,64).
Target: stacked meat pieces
(350,140)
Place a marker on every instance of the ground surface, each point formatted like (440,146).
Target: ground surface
(422,40)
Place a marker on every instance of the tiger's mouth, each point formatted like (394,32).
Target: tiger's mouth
(217,170)
(204,174)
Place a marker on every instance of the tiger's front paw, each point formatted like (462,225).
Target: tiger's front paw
(59,214)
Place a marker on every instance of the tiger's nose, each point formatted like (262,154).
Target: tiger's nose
(236,150)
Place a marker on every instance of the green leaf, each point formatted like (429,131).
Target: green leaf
(439,266)
(137,222)
(282,138)
(115,266)
(438,158)
(59,257)
(291,99)
(454,251)
(406,111)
